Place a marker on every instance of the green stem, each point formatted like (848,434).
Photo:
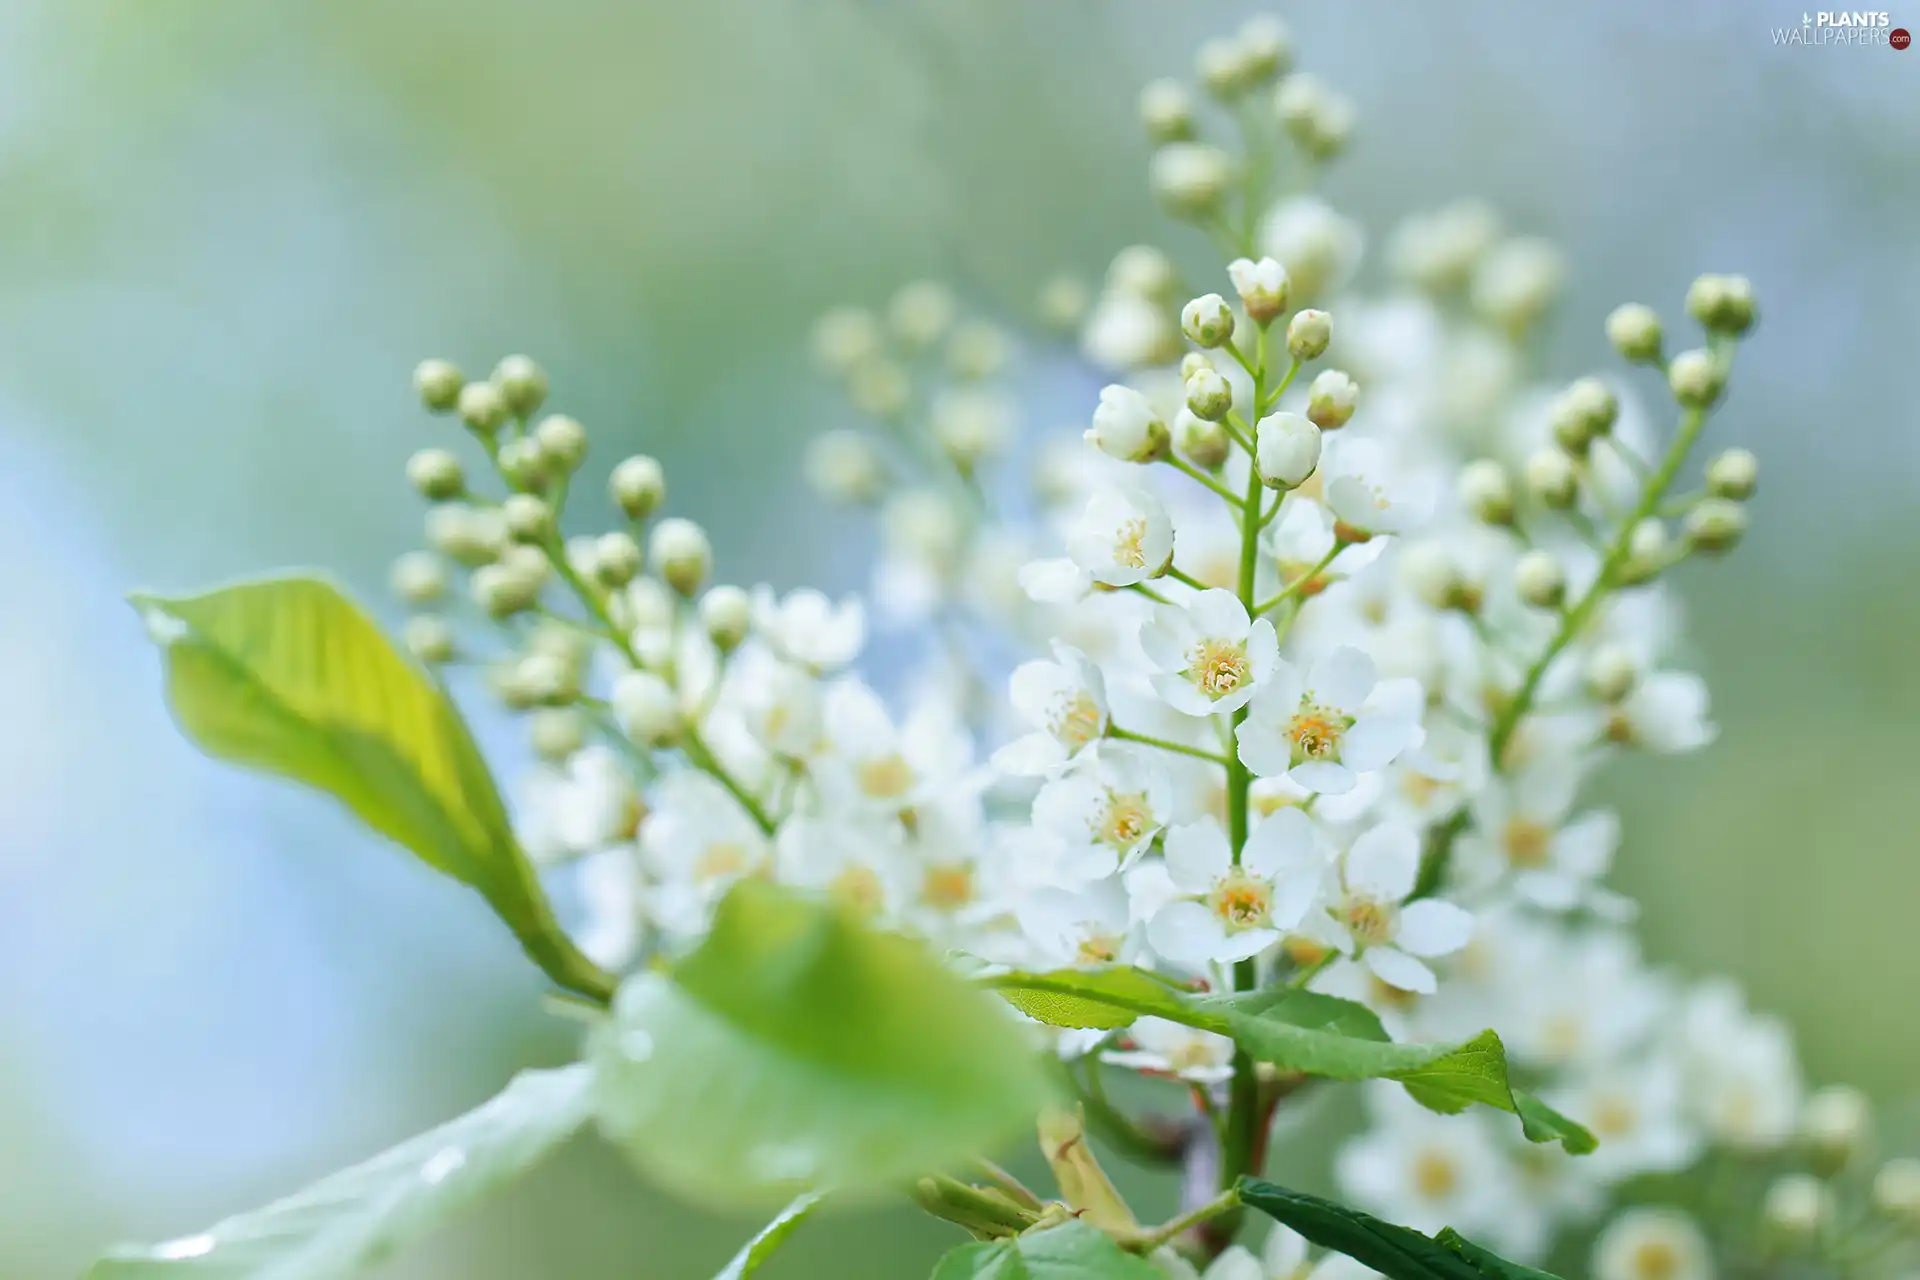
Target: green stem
(702,756)
(1182,465)
(1198,753)
(1147,1241)
(1182,576)
(1301,583)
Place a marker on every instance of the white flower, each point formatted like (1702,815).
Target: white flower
(1066,700)
(1190,176)
(1652,1244)
(1106,810)
(1366,492)
(1375,918)
(1336,723)
(1091,925)
(1665,713)
(1637,1111)
(1429,1171)
(880,766)
(586,807)
(1125,426)
(810,629)
(1286,450)
(1743,1080)
(697,843)
(856,865)
(1172,1048)
(1520,828)
(1123,537)
(1318,245)
(1234,912)
(1208,656)
(1126,331)
(778,703)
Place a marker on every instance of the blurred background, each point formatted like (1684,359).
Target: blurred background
(228,231)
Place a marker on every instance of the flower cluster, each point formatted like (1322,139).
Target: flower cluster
(1328,616)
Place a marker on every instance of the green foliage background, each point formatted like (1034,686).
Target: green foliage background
(227,231)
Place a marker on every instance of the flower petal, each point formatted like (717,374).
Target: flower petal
(1431,927)
(1218,613)
(1376,741)
(1342,680)
(1384,862)
(1197,855)
(1398,969)
(1328,777)
(1186,933)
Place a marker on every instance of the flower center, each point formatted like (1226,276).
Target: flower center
(858,889)
(1528,841)
(885,777)
(1614,1116)
(1190,1054)
(1371,923)
(1076,720)
(1097,948)
(1241,901)
(1130,544)
(1656,1260)
(721,860)
(1561,1036)
(1217,667)
(1125,821)
(948,887)
(1315,732)
(1435,1176)
(1386,995)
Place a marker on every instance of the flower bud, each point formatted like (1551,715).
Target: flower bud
(1262,286)
(528,563)
(418,578)
(1797,1206)
(529,519)
(1486,492)
(616,558)
(548,678)
(845,336)
(639,486)
(1612,672)
(1266,46)
(1540,580)
(523,464)
(843,466)
(1552,480)
(1646,553)
(1224,69)
(1722,304)
(1317,119)
(1835,1124)
(1205,443)
(681,549)
(647,708)
(482,407)
(1126,427)
(1190,177)
(1207,320)
(727,615)
(1586,409)
(1515,284)
(438,383)
(1696,379)
(1734,474)
(557,732)
(429,639)
(1143,271)
(1896,1191)
(435,475)
(1430,574)
(1286,450)
(465,535)
(921,311)
(522,383)
(1715,525)
(978,350)
(1308,334)
(501,592)
(1208,394)
(1634,330)
(1330,400)
(1167,111)
(880,388)
(1063,302)
(1192,362)
(562,441)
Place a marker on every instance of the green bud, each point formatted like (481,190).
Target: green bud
(1552,480)
(1209,395)
(1585,410)
(1722,304)
(418,577)
(522,383)
(1696,379)
(438,384)
(528,518)
(617,559)
(483,407)
(429,639)
(501,592)
(562,441)
(1896,1191)
(1207,320)
(435,475)
(727,615)
(1612,672)
(1715,525)
(466,535)
(1330,400)
(1634,331)
(639,486)
(1206,444)
(1734,474)
(681,550)
(1540,579)
(523,464)
(1308,334)
(557,732)
(1486,492)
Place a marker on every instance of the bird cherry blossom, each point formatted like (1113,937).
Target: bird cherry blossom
(1208,656)
(1338,722)
(1230,912)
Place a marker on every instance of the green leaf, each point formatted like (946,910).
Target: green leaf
(1071,1251)
(799,1050)
(346,1222)
(1307,1032)
(1396,1252)
(771,1237)
(289,676)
